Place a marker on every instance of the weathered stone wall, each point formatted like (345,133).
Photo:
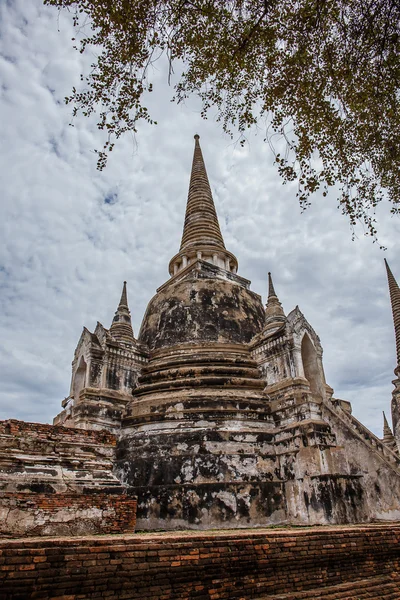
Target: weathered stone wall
(248,564)
(35,457)
(27,514)
(59,481)
(95,409)
(289,458)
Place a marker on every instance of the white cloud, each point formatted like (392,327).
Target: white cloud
(71,235)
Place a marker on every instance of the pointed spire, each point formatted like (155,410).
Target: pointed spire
(201,221)
(271,290)
(123,303)
(273,311)
(395,302)
(388,437)
(121,327)
(201,238)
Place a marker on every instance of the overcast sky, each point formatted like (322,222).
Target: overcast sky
(70,235)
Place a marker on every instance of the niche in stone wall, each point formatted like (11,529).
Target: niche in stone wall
(312,370)
(80,378)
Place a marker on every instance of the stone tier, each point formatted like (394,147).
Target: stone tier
(195,410)
(193,383)
(202,461)
(199,366)
(227,455)
(196,443)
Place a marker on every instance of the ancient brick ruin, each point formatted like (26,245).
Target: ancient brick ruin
(217,415)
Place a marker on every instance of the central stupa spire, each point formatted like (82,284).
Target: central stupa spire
(201,221)
(201,238)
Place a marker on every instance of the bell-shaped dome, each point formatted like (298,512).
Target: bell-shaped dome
(203,306)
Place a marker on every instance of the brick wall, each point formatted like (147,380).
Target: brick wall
(28,514)
(44,431)
(212,566)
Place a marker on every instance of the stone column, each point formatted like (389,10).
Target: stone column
(298,362)
(396,408)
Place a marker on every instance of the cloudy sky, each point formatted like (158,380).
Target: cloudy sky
(70,235)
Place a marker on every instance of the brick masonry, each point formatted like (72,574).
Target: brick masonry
(345,562)
(30,514)
(44,431)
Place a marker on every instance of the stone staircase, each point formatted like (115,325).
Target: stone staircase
(365,434)
(383,587)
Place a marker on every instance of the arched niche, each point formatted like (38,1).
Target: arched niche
(80,378)
(312,370)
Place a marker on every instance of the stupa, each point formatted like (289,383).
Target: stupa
(222,411)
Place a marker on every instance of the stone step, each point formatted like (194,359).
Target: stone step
(383,587)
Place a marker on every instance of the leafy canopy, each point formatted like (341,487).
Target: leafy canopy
(323,75)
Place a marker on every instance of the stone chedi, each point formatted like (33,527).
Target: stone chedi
(223,414)
(105,369)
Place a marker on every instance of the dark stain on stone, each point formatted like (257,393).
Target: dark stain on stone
(37,488)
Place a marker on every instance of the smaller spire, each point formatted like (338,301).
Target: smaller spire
(124,298)
(121,327)
(273,310)
(271,290)
(388,437)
